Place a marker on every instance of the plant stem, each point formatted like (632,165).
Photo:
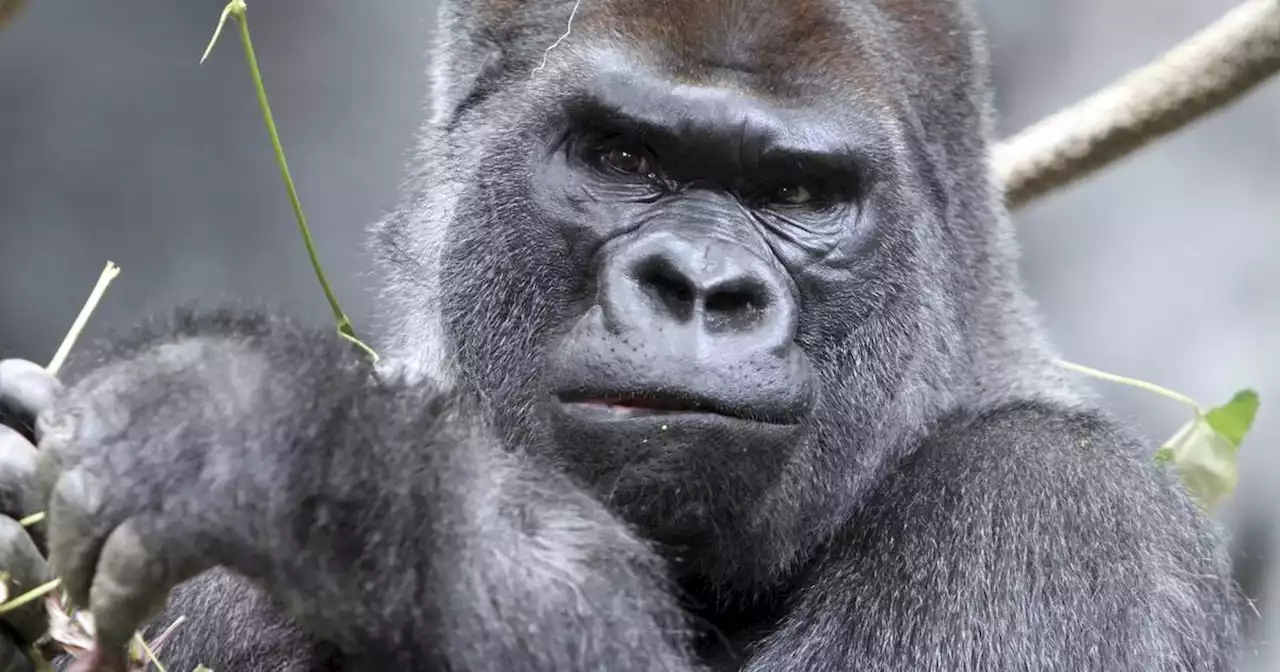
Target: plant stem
(109,272)
(29,596)
(237,10)
(1132,382)
(151,655)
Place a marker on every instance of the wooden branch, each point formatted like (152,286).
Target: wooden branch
(1203,74)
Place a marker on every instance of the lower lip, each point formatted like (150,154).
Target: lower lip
(612,412)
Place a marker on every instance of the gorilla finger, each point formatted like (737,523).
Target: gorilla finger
(17,473)
(138,568)
(13,658)
(77,529)
(27,386)
(24,570)
(52,457)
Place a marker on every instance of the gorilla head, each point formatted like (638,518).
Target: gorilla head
(721,260)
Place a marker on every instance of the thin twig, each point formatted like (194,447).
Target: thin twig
(238,10)
(30,596)
(108,274)
(151,655)
(1132,382)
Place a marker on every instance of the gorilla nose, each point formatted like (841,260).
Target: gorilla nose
(707,287)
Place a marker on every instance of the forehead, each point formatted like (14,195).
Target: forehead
(779,49)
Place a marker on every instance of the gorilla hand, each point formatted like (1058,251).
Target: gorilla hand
(138,469)
(26,390)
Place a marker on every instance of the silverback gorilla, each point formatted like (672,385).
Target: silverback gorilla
(706,351)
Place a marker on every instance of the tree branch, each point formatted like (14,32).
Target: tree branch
(1206,72)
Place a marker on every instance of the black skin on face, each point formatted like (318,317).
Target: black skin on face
(706,350)
(693,258)
(702,218)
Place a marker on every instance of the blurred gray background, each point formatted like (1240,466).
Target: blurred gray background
(115,144)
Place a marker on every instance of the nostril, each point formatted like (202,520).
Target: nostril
(666,285)
(737,304)
(737,298)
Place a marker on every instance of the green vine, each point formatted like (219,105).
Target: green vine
(1202,451)
(238,10)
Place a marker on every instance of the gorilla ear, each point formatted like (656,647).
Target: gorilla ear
(465,56)
(476,41)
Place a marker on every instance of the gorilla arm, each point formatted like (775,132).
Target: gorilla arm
(1045,526)
(232,625)
(380,514)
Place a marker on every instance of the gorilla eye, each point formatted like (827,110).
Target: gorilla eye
(626,161)
(792,195)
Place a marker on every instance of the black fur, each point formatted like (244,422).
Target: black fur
(949,502)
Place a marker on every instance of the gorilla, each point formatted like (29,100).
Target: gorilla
(705,348)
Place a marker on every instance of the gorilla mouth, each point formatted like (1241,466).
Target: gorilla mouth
(620,406)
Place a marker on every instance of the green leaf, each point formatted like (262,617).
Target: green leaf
(1203,451)
(1233,419)
(1204,458)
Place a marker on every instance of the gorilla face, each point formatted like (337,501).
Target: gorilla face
(697,281)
